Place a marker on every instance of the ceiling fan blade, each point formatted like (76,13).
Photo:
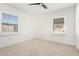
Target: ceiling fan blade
(35,4)
(44,6)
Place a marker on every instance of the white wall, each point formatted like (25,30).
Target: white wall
(44,26)
(38,26)
(77,26)
(25,26)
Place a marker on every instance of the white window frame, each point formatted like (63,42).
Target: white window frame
(64,24)
(6,33)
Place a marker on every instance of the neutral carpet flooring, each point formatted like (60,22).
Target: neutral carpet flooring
(38,47)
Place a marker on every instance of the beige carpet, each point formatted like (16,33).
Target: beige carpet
(38,47)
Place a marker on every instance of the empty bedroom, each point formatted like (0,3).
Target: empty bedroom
(39,29)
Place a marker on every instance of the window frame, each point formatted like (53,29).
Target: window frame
(2,22)
(64,24)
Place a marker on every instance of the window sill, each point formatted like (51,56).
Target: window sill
(8,34)
(59,33)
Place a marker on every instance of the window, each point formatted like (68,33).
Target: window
(58,24)
(9,23)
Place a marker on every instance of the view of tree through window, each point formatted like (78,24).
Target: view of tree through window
(9,23)
(58,24)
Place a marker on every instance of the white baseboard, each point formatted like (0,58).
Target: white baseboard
(22,39)
(55,40)
(10,42)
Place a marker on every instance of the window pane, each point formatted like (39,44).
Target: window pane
(58,25)
(9,23)
(9,19)
(16,28)
(7,28)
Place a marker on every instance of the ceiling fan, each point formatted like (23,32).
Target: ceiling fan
(44,6)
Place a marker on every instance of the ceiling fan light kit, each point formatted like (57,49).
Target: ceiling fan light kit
(42,4)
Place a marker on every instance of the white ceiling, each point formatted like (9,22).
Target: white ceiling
(37,9)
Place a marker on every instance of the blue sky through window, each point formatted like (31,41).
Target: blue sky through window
(6,18)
